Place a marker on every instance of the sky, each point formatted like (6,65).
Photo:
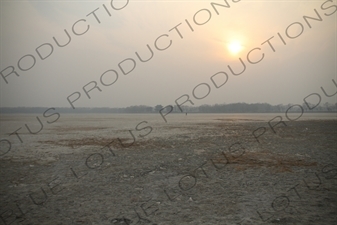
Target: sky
(195,40)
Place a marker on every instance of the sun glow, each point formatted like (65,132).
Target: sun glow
(234,47)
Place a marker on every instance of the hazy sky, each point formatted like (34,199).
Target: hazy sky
(296,69)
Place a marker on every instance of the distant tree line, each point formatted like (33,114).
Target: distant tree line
(217,108)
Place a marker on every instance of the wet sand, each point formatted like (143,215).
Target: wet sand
(191,171)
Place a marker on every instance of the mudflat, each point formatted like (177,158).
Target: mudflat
(195,169)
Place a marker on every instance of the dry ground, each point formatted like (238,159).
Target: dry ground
(195,173)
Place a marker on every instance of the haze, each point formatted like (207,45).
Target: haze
(295,70)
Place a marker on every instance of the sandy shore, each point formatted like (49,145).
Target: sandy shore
(210,171)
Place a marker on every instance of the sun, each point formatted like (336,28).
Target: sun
(235,47)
